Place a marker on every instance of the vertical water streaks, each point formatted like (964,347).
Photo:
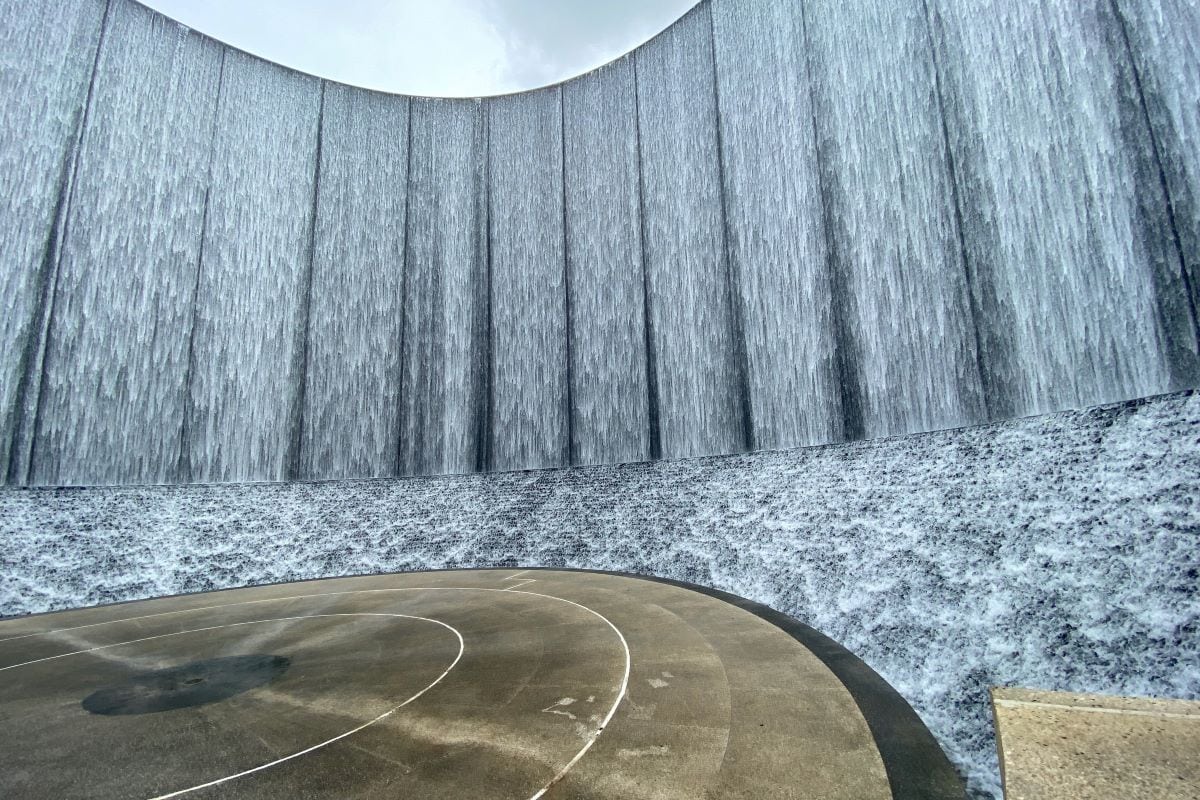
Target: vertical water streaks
(443,385)
(47,53)
(845,355)
(1059,247)
(775,230)
(116,360)
(736,300)
(775,224)
(529,333)
(486,377)
(898,252)
(604,258)
(1163,38)
(990,347)
(302,333)
(1153,221)
(652,401)
(254,273)
(352,409)
(700,410)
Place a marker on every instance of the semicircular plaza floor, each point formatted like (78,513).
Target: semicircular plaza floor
(458,684)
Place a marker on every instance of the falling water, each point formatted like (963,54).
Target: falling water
(1062,256)
(47,50)
(356,316)
(529,401)
(610,400)
(776,224)
(137,200)
(693,332)
(444,383)
(253,291)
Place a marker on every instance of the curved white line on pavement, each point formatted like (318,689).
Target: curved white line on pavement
(132,619)
(185,611)
(307,750)
(621,691)
(611,712)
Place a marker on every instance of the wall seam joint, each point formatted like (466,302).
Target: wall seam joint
(654,433)
(735,301)
(42,329)
(184,467)
(1162,175)
(291,465)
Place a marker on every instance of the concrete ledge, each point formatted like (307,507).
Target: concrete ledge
(1096,747)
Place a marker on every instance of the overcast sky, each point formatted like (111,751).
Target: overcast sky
(451,48)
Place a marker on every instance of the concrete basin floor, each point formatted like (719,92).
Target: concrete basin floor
(483,683)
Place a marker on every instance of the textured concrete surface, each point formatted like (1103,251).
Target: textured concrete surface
(440,685)
(1067,746)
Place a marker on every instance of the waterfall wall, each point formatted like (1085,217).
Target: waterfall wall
(776,224)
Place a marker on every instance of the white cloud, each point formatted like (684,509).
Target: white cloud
(453,48)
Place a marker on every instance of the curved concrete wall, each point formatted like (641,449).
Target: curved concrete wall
(775,224)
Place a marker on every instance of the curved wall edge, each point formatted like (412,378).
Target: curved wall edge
(410,95)
(770,226)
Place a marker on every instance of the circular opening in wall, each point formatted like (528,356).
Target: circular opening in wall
(449,48)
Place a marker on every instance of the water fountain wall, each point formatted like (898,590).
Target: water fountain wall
(443,397)
(775,224)
(610,371)
(114,377)
(356,312)
(49,54)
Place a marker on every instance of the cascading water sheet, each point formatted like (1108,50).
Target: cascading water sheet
(530,406)
(443,388)
(898,284)
(776,224)
(115,376)
(47,50)
(1163,37)
(351,414)
(700,390)
(252,302)
(610,402)
(1062,257)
